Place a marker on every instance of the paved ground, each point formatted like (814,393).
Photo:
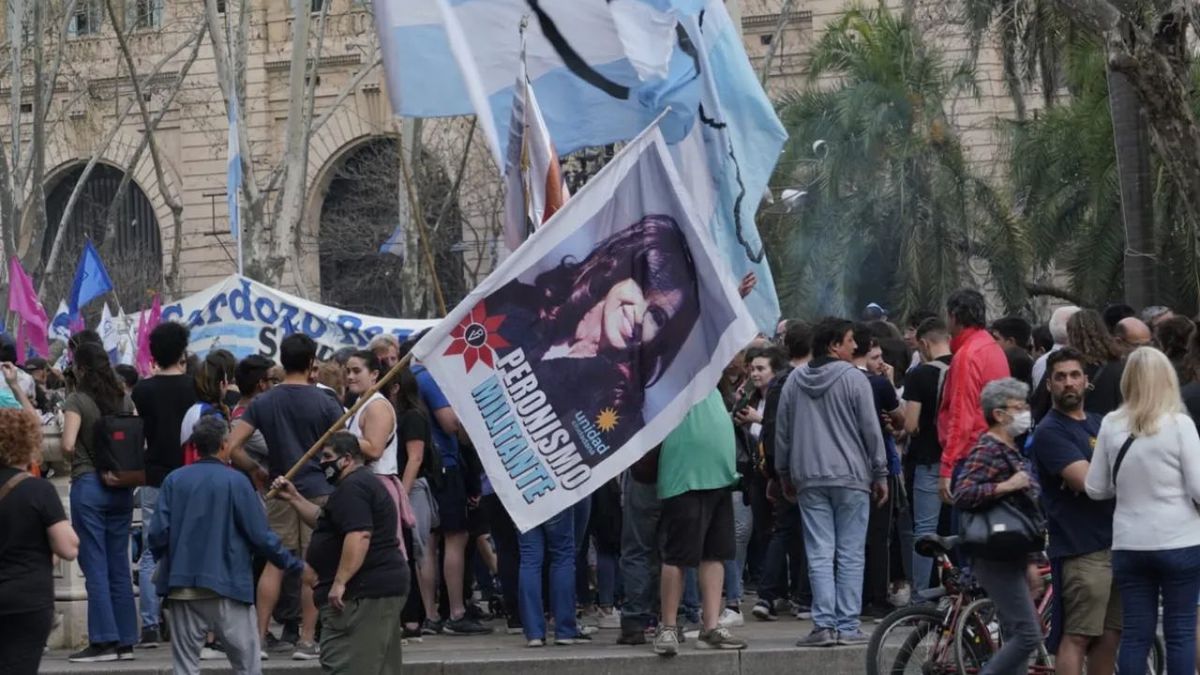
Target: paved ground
(771,650)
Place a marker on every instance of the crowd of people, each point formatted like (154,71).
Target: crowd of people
(807,475)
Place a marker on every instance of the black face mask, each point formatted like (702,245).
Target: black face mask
(331,470)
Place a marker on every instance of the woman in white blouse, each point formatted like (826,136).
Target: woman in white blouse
(1156,527)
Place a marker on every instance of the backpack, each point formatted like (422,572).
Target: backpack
(118,447)
(942,368)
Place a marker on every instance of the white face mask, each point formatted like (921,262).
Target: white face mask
(1020,423)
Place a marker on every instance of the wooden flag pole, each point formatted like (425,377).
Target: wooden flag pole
(337,426)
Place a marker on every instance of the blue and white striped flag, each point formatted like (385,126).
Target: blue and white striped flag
(602,71)
(233,178)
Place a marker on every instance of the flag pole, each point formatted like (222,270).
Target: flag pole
(418,217)
(525,181)
(238,205)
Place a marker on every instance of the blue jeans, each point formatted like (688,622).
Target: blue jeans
(927,507)
(147,594)
(101,516)
(558,536)
(1143,577)
(835,533)
(743,527)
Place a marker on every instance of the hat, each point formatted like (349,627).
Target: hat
(874,312)
(36,363)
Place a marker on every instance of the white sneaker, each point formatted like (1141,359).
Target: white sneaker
(610,618)
(900,596)
(588,630)
(731,618)
(210,654)
(536,643)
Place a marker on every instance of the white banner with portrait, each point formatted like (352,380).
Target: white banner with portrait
(589,344)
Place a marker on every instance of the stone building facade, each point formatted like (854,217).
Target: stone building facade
(94,86)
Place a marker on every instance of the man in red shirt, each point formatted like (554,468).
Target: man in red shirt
(977,360)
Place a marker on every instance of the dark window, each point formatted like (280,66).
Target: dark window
(86,19)
(145,14)
(765,39)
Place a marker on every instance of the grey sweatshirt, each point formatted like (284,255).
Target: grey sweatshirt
(826,431)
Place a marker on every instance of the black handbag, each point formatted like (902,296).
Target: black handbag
(1010,528)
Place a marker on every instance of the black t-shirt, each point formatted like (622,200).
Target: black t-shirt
(1020,364)
(1077,524)
(162,401)
(1104,394)
(1191,399)
(26,576)
(921,386)
(360,503)
(414,426)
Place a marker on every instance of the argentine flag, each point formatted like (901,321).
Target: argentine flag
(233,178)
(602,72)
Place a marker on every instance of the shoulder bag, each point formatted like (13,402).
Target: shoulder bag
(1004,529)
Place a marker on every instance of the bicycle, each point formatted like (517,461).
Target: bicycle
(960,633)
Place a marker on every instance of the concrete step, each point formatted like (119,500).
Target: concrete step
(771,651)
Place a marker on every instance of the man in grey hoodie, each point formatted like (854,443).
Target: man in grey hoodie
(830,457)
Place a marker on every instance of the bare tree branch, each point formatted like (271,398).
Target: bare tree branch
(52,259)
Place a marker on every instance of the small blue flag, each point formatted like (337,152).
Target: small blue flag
(395,244)
(91,279)
(233,169)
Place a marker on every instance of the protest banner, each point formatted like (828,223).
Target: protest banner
(589,344)
(247,317)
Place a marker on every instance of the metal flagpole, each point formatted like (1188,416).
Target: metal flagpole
(241,228)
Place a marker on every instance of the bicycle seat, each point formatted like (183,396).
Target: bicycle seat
(931,545)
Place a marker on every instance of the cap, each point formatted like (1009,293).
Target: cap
(874,311)
(36,363)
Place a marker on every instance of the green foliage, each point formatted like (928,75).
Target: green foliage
(1064,172)
(894,213)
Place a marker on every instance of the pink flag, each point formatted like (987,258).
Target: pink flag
(33,325)
(146,323)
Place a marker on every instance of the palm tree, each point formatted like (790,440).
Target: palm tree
(1064,171)
(893,208)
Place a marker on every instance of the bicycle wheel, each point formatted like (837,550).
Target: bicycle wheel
(977,637)
(909,641)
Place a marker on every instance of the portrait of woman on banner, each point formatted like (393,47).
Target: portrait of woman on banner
(600,331)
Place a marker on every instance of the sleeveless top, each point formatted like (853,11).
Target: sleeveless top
(387,463)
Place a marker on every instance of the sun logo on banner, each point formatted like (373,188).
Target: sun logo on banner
(476,338)
(607,420)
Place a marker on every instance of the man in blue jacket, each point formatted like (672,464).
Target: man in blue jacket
(208,525)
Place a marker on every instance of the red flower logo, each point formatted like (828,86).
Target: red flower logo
(476,338)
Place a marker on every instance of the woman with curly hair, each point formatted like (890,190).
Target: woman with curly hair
(1104,363)
(32,527)
(102,514)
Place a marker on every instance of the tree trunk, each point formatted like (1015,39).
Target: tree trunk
(291,201)
(1133,171)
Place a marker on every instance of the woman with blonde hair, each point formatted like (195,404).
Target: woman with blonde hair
(1148,457)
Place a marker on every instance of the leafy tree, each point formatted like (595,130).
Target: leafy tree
(892,212)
